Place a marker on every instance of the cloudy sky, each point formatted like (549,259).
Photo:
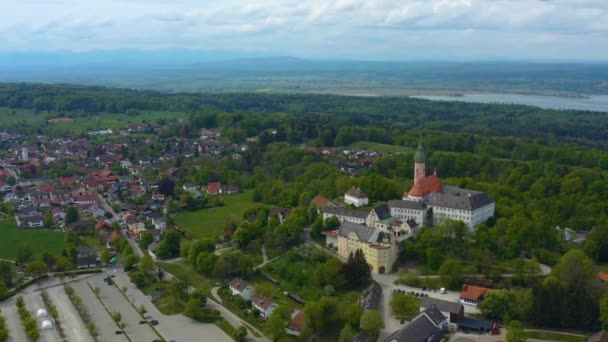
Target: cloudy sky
(353,29)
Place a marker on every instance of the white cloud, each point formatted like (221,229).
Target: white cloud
(314,28)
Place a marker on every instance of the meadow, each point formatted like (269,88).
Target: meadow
(210,222)
(39,240)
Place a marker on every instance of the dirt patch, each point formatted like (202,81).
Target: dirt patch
(60,120)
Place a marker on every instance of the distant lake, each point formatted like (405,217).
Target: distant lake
(596,103)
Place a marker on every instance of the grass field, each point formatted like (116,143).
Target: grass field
(383,148)
(39,240)
(27,117)
(210,222)
(557,337)
(185,272)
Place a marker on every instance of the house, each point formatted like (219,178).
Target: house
(239,287)
(370,298)
(452,310)
(356,197)
(11,198)
(472,295)
(345,214)
(96,211)
(213,188)
(297,323)
(159,222)
(189,187)
(428,326)
(86,257)
(4,187)
(264,305)
(602,276)
(280,213)
(230,189)
(58,215)
(35,221)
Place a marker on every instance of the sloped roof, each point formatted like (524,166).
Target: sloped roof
(238,284)
(441,305)
(420,328)
(427,185)
(472,292)
(340,211)
(382,211)
(405,204)
(356,192)
(458,198)
(319,201)
(602,276)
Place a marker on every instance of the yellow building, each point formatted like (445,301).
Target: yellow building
(379,248)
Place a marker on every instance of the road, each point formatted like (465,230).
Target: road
(72,325)
(13,322)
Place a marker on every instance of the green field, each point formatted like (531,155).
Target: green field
(210,222)
(557,337)
(382,148)
(40,240)
(10,118)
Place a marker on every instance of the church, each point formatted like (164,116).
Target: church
(379,232)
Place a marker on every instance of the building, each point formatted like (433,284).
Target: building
(379,248)
(370,298)
(86,257)
(264,305)
(280,212)
(34,221)
(297,323)
(446,202)
(472,295)
(428,326)
(345,214)
(239,287)
(356,197)
(453,311)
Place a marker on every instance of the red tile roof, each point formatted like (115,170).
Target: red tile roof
(319,201)
(426,186)
(472,292)
(602,276)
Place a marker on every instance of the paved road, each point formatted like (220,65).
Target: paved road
(13,322)
(174,327)
(72,325)
(33,302)
(116,302)
(103,322)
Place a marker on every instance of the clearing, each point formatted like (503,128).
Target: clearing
(40,240)
(210,222)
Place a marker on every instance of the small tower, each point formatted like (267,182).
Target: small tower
(25,154)
(419,164)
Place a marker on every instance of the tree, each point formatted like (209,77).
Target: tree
(346,334)
(130,261)
(496,304)
(452,273)
(205,263)
(404,306)
(170,244)
(36,269)
(353,315)
(63,264)
(240,334)
(146,239)
(166,186)
(3,290)
(372,323)
(604,310)
(202,245)
(7,272)
(48,221)
(71,214)
(146,265)
(23,254)
(49,259)
(276,323)
(515,332)
(356,271)
(331,222)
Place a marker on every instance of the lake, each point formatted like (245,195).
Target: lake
(596,103)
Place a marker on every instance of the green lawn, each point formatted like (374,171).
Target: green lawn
(383,148)
(40,240)
(557,337)
(210,222)
(185,272)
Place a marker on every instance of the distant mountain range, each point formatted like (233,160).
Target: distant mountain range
(186,70)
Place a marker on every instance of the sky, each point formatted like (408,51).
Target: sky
(336,29)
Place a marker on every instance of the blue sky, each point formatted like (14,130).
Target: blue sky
(352,29)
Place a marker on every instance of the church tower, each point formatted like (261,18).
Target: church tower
(419,164)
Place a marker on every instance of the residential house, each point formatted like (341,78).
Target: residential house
(370,298)
(239,287)
(4,187)
(452,310)
(428,326)
(264,305)
(159,222)
(86,257)
(280,213)
(189,187)
(297,323)
(230,189)
(213,188)
(58,215)
(472,295)
(12,198)
(356,197)
(35,221)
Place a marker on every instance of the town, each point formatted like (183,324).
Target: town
(241,229)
